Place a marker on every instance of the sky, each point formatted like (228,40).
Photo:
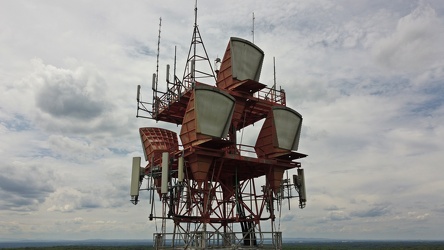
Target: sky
(367,77)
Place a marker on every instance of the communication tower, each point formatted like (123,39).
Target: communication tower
(215,193)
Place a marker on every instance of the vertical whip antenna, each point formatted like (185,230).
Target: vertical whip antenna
(195,14)
(193,62)
(156,75)
(252,30)
(179,86)
(158,51)
(274,73)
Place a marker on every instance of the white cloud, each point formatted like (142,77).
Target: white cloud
(66,94)
(413,46)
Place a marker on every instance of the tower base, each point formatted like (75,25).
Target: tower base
(217,240)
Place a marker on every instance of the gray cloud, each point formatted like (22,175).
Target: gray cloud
(71,100)
(112,193)
(338,216)
(439,209)
(69,200)
(24,188)
(65,93)
(375,211)
(288,217)
(332,208)
(140,49)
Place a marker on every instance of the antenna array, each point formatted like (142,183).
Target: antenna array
(207,184)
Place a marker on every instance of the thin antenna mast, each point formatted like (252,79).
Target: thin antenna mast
(252,30)
(195,14)
(274,73)
(156,76)
(158,52)
(289,191)
(176,84)
(193,62)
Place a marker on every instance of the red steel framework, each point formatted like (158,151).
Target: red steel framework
(226,187)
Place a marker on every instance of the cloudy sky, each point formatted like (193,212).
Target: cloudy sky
(367,76)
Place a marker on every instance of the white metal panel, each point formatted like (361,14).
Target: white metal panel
(165,165)
(246,59)
(214,111)
(288,124)
(302,192)
(135,176)
(180,169)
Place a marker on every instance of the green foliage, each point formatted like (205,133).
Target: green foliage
(385,245)
(86,248)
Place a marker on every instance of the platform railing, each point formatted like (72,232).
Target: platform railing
(173,94)
(271,95)
(217,240)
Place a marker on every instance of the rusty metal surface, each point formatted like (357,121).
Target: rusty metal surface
(158,140)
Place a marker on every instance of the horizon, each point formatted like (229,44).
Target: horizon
(285,240)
